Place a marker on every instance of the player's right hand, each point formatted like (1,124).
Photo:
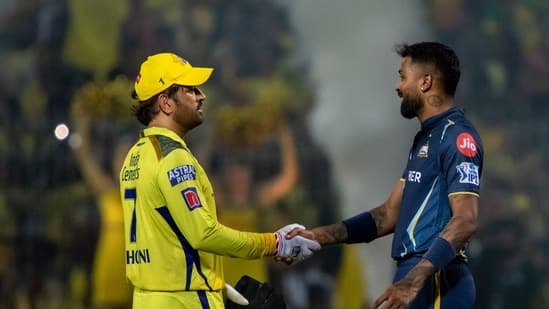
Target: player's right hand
(296,249)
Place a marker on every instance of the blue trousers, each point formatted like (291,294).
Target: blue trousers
(452,287)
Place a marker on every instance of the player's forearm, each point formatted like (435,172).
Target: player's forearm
(369,225)
(223,240)
(463,224)
(385,223)
(443,248)
(415,278)
(459,231)
(330,234)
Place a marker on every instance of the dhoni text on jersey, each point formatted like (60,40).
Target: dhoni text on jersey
(138,256)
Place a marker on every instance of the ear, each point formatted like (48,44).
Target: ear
(164,104)
(426,82)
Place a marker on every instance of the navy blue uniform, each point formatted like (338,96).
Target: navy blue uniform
(445,159)
(450,288)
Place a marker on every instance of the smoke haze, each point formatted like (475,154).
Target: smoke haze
(349,48)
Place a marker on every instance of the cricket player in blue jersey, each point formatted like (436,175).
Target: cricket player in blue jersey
(432,210)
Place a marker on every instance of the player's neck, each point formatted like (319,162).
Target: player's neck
(434,105)
(166,122)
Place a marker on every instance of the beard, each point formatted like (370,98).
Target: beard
(188,117)
(410,106)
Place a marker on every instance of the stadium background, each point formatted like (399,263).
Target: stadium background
(327,70)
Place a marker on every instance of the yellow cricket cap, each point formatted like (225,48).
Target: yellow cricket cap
(162,70)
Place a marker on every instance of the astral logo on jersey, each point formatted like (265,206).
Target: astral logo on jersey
(191,198)
(466,144)
(468,173)
(181,173)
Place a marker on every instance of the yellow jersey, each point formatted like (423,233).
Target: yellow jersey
(173,240)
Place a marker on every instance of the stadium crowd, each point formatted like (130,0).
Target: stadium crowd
(56,58)
(504,46)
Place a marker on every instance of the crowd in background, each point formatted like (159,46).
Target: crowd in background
(63,66)
(504,48)
(55,57)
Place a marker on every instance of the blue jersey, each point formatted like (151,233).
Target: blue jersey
(445,159)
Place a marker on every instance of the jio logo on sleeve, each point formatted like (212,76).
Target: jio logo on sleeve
(466,145)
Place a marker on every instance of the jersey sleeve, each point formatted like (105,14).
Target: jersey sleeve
(189,198)
(461,161)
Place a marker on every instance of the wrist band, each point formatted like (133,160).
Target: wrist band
(278,244)
(440,253)
(360,228)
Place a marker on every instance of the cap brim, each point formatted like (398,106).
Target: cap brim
(195,77)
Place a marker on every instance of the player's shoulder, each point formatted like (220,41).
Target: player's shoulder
(460,136)
(166,145)
(174,160)
(162,152)
(457,125)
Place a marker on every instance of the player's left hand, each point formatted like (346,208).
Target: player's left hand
(399,295)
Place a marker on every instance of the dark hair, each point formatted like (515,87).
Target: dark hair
(145,110)
(441,56)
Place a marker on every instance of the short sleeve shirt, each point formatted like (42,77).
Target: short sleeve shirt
(445,159)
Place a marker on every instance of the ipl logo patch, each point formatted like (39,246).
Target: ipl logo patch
(191,198)
(468,173)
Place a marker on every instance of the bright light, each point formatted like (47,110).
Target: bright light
(61,131)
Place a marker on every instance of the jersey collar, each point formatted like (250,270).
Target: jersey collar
(431,122)
(163,131)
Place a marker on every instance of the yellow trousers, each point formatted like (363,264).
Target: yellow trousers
(143,299)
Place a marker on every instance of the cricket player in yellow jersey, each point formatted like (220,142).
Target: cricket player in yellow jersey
(173,241)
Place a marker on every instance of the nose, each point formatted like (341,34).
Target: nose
(397,86)
(199,94)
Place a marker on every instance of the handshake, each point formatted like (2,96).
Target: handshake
(295,249)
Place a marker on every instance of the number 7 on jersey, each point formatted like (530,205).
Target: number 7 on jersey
(131,194)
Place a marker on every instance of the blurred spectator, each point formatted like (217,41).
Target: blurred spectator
(247,203)
(502,44)
(96,221)
(109,287)
(93,46)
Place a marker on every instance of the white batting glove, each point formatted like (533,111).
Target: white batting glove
(298,248)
